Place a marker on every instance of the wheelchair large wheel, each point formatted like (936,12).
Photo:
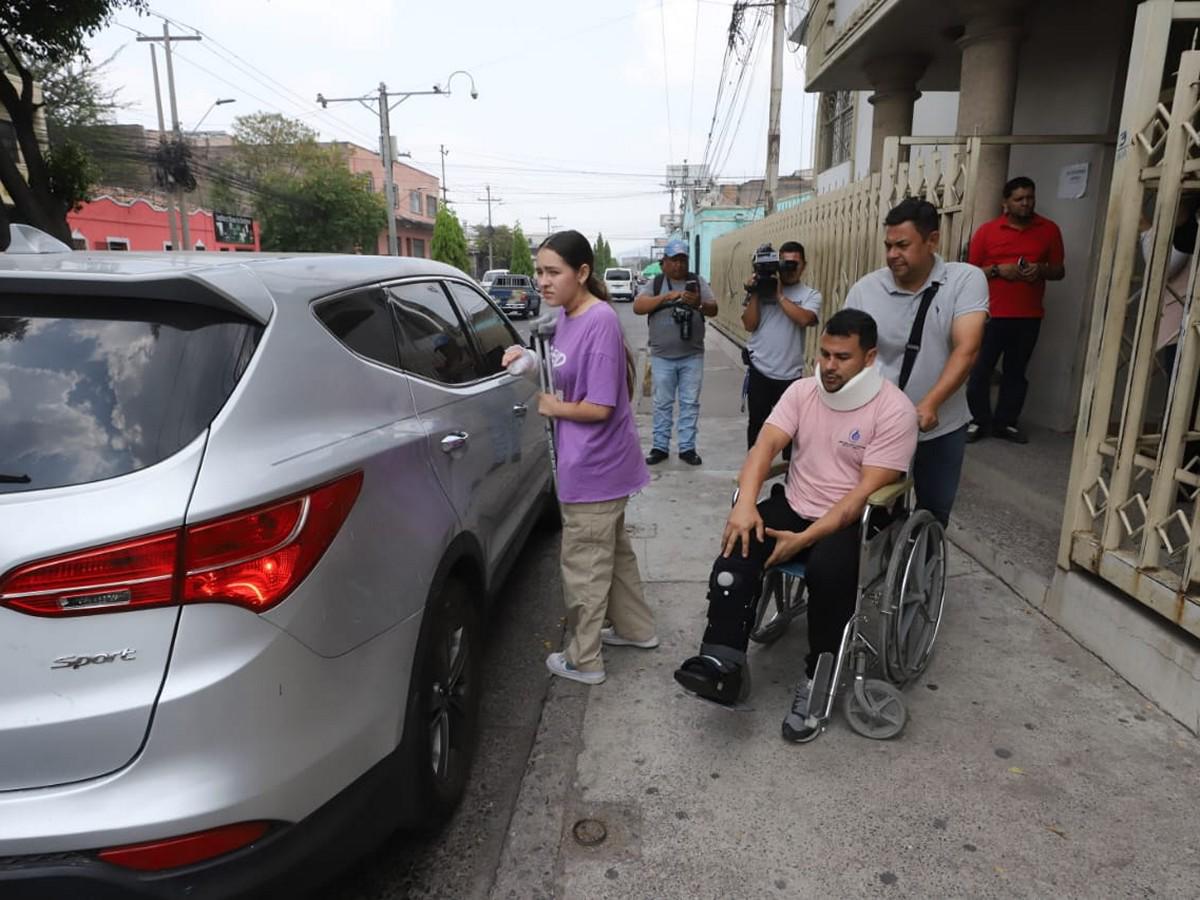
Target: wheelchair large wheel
(879,713)
(783,598)
(914,595)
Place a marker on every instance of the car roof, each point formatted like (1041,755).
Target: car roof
(229,280)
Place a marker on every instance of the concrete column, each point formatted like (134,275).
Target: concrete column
(894,79)
(987,90)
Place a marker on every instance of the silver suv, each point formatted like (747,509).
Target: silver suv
(250,508)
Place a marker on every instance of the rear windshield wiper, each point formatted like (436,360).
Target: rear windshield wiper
(14,479)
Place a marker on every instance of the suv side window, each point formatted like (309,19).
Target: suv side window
(493,333)
(433,342)
(361,321)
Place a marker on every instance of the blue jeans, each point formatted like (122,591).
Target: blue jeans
(683,376)
(936,470)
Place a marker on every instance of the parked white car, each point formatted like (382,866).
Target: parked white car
(620,283)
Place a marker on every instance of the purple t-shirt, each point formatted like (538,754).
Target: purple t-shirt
(597,461)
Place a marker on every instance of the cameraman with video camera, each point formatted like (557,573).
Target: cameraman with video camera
(778,307)
(677,302)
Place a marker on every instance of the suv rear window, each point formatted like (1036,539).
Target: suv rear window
(95,388)
(616,275)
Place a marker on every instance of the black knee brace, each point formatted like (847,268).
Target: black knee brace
(733,588)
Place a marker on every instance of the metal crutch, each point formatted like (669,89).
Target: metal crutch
(541,332)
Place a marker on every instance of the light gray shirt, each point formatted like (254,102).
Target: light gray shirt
(777,344)
(963,290)
(664,330)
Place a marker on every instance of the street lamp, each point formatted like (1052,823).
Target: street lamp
(215,104)
(385,143)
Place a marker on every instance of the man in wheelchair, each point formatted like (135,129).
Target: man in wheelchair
(851,433)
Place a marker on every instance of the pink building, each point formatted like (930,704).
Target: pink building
(137,224)
(416,200)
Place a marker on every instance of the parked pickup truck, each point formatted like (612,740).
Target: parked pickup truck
(516,295)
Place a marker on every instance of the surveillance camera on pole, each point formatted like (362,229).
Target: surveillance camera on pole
(386,139)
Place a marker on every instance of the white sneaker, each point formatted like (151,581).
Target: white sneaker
(558,665)
(610,637)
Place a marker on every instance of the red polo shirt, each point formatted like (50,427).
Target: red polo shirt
(998,242)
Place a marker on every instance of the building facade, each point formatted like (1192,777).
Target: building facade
(137,224)
(415,203)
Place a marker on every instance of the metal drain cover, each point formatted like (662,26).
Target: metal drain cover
(589,832)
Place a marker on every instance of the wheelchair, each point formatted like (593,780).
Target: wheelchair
(900,597)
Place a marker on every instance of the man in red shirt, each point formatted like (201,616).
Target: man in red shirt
(1019,252)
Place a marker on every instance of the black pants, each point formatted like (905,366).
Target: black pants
(761,398)
(1013,339)
(936,471)
(831,577)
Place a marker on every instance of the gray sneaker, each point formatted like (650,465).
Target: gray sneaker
(798,726)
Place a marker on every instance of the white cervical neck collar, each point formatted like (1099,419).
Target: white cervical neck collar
(858,391)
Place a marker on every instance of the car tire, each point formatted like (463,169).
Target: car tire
(442,720)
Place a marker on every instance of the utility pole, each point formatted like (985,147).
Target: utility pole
(772,175)
(385,137)
(549,226)
(442,149)
(389,177)
(168,39)
(490,201)
(162,129)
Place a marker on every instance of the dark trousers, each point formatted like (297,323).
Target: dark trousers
(936,470)
(762,395)
(1014,340)
(831,577)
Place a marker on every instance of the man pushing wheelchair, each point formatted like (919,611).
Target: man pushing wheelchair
(851,433)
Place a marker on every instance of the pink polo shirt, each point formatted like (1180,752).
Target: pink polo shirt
(829,448)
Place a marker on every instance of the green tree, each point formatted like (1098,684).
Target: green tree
(602,254)
(520,260)
(449,244)
(269,144)
(41,33)
(303,194)
(325,208)
(501,243)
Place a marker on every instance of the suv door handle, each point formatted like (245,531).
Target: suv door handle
(455,440)
(520,410)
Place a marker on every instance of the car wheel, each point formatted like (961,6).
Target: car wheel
(443,709)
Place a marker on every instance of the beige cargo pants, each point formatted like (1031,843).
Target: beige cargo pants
(600,579)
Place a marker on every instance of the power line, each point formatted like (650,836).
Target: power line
(662,18)
(692,94)
(244,65)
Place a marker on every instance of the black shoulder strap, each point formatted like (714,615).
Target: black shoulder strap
(658,282)
(914,338)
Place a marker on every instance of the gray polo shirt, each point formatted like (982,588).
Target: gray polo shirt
(664,330)
(777,344)
(963,290)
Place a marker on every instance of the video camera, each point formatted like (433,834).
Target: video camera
(767,267)
(766,273)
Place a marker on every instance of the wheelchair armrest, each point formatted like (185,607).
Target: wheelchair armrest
(888,495)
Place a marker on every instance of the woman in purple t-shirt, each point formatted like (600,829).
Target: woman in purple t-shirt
(599,461)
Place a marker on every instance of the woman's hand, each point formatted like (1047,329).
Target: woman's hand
(548,405)
(511,355)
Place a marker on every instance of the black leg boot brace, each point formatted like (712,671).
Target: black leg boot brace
(720,672)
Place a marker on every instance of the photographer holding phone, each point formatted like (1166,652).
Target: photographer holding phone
(1019,252)
(777,309)
(676,303)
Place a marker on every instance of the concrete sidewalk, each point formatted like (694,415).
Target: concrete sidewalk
(1027,769)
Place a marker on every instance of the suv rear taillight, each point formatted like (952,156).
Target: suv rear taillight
(253,558)
(256,558)
(131,574)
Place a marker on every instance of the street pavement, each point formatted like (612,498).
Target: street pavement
(1028,768)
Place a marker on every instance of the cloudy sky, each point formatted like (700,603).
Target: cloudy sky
(577,116)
